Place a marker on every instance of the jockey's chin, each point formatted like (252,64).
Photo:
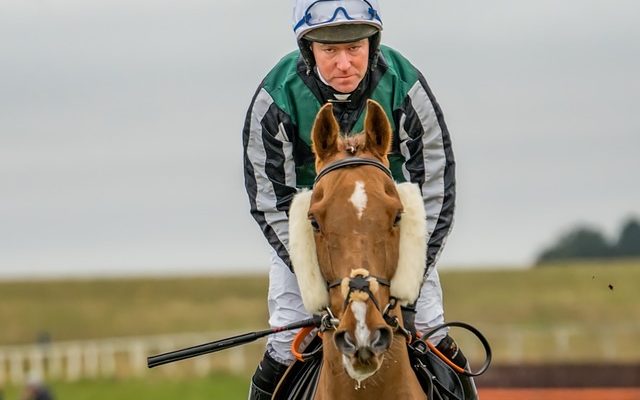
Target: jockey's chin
(346,84)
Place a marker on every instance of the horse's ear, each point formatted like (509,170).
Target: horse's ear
(325,133)
(377,129)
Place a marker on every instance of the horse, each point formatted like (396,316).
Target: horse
(358,245)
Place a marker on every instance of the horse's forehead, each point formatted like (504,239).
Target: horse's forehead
(359,198)
(363,202)
(354,187)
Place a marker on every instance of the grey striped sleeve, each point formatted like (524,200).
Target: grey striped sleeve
(426,147)
(269,171)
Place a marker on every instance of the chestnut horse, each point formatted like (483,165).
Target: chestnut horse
(358,245)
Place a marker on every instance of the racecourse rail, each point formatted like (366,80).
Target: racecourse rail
(126,356)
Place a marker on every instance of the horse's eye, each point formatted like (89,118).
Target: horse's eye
(397,220)
(314,224)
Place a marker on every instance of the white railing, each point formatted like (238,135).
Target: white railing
(125,357)
(559,344)
(120,357)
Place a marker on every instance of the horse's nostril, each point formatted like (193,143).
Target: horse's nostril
(344,342)
(381,340)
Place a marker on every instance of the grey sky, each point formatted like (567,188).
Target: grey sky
(120,126)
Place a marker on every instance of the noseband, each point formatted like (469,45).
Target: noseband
(361,282)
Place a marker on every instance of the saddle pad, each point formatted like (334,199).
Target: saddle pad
(301,378)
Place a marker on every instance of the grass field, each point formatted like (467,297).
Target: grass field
(219,386)
(81,309)
(587,295)
(576,294)
(542,297)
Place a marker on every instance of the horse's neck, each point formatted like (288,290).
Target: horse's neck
(394,380)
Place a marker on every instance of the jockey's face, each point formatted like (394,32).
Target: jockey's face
(342,65)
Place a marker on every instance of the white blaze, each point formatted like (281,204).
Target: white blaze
(359,198)
(359,310)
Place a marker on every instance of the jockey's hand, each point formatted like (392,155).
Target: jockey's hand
(408,319)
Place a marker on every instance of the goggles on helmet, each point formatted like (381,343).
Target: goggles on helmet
(326,11)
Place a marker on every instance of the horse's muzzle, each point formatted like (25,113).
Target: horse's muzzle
(378,343)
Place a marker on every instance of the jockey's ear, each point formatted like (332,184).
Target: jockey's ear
(324,134)
(377,130)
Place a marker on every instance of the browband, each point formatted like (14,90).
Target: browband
(351,162)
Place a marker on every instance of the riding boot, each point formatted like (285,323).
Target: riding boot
(266,378)
(450,349)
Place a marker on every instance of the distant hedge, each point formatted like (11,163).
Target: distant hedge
(589,243)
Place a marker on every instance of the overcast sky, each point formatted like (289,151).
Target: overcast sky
(120,126)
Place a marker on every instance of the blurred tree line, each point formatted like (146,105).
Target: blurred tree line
(589,243)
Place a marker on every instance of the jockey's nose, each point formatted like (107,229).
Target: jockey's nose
(343,61)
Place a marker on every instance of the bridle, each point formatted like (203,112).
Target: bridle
(352,162)
(362,281)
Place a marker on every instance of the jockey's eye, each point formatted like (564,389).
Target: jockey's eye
(314,223)
(397,220)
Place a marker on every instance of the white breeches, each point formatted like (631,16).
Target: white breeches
(285,307)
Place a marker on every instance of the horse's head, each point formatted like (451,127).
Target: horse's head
(357,240)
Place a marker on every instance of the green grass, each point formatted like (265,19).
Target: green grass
(534,307)
(81,309)
(572,295)
(576,295)
(217,386)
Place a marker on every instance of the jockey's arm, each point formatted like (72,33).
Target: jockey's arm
(426,142)
(269,171)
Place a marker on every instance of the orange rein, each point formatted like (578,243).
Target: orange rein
(441,356)
(297,342)
(444,358)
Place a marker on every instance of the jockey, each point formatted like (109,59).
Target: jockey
(340,60)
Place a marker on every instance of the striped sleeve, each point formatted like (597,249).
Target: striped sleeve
(269,170)
(426,147)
